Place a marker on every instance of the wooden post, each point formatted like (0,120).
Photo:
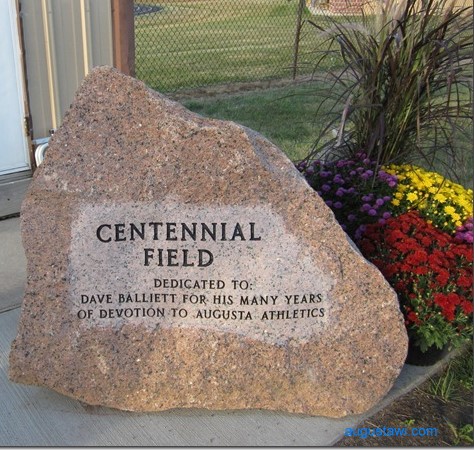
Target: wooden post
(123,29)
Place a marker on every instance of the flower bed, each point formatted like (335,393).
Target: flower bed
(431,273)
(417,228)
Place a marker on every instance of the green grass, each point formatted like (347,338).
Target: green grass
(283,115)
(462,368)
(202,42)
(458,375)
(287,116)
(462,434)
(444,387)
(193,43)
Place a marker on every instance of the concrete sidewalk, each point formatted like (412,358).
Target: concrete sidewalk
(32,416)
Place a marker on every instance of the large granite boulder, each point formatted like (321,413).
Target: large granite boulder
(176,261)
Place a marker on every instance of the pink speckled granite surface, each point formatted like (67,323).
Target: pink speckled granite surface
(312,329)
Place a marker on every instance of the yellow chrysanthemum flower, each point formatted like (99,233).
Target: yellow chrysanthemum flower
(445,204)
(449,210)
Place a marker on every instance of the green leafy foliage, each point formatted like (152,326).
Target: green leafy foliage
(462,434)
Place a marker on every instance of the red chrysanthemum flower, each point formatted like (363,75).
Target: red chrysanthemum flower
(430,270)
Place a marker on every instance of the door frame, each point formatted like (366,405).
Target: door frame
(13,185)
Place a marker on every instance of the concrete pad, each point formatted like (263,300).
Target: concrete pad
(13,188)
(32,416)
(12,264)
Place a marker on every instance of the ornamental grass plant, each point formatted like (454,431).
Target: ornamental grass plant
(406,87)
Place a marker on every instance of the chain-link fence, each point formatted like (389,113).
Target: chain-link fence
(192,43)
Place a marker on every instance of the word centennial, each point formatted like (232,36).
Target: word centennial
(177,231)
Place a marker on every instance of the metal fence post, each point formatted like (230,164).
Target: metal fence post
(299,16)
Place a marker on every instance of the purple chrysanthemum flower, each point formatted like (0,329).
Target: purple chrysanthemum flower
(343,185)
(326,187)
(301,166)
(464,233)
